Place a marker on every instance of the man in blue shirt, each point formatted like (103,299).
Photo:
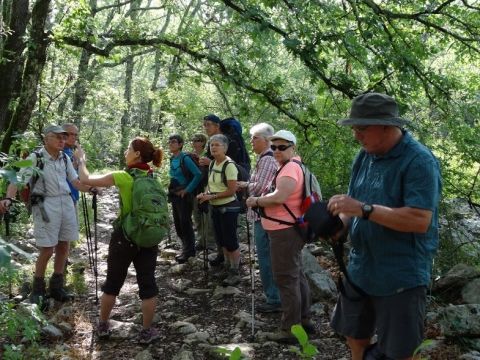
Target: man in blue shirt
(391,213)
(184,178)
(70,144)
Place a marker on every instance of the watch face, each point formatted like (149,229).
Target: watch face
(367,208)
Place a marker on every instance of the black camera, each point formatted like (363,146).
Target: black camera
(321,222)
(36,199)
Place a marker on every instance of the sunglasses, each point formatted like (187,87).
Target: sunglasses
(280,147)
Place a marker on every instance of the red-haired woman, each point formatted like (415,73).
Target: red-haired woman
(122,252)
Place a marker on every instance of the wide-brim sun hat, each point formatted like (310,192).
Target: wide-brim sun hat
(374,109)
(54,129)
(284,135)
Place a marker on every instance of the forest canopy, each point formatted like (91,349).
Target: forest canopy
(118,68)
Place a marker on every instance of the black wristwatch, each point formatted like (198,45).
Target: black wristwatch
(367,209)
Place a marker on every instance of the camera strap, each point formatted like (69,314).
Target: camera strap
(338,250)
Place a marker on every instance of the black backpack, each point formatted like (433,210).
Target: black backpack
(232,129)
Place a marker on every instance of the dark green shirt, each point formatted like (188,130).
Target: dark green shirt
(384,261)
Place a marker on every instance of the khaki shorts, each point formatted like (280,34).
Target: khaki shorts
(63,225)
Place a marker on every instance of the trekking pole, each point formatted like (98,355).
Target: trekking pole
(95,272)
(205,247)
(252,261)
(88,232)
(252,274)
(169,235)
(6,219)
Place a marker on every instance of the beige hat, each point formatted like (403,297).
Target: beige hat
(284,135)
(54,129)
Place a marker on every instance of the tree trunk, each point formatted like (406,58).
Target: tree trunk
(36,58)
(153,88)
(80,94)
(12,61)
(84,77)
(127,95)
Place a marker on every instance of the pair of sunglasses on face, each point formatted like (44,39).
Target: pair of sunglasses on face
(280,147)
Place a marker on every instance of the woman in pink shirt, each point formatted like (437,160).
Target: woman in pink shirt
(286,243)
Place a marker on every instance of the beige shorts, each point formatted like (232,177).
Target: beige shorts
(63,225)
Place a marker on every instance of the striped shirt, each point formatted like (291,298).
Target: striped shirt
(261,178)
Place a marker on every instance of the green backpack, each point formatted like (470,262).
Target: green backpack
(148,222)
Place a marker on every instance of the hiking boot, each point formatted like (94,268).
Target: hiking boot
(283,337)
(217,261)
(39,295)
(103,330)
(183,258)
(148,335)
(199,247)
(309,327)
(269,308)
(233,278)
(57,291)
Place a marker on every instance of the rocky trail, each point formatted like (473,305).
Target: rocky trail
(195,313)
(196,316)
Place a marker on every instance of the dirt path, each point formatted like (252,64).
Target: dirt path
(186,295)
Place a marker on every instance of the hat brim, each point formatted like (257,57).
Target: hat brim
(396,121)
(273,138)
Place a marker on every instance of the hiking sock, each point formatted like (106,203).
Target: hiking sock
(235,263)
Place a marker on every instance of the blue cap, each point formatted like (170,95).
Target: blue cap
(212,118)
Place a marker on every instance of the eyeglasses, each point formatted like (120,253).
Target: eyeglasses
(360,128)
(280,147)
(197,140)
(72,134)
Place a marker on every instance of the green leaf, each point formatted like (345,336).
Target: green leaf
(236,354)
(300,334)
(22,163)
(292,44)
(310,350)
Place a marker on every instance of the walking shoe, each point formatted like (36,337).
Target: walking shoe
(218,260)
(233,278)
(283,337)
(269,308)
(148,335)
(220,273)
(103,330)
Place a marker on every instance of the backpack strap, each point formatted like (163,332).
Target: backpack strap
(39,163)
(268,153)
(261,211)
(223,171)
